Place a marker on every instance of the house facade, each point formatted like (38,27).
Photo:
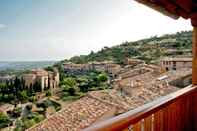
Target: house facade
(175,63)
(77,68)
(130,61)
(105,66)
(3,79)
(46,80)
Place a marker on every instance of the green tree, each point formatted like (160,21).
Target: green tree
(48,93)
(83,84)
(4,120)
(69,82)
(22,95)
(60,68)
(70,85)
(3,89)
(37,86)
(78,59)
(17,112)
(72,91)
(102,77)
(30,91)
(16,86)
(49,68)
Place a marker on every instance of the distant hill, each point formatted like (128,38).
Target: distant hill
(150,49)
(19,67)
(24,65)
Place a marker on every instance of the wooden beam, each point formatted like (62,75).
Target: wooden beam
(194,53)
(157,7)
(186,5)
(193,17)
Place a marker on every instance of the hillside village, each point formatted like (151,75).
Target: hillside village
(134,85)
(84,90)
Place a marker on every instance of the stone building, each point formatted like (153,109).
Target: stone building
(106,66)
(130,61)
(44,78)
(3,79)
(175,63)
(77,68)
(30,79)
(53,79)
(113,69)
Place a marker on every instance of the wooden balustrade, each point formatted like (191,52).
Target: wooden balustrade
(174,112)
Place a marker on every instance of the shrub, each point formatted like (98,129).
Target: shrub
(29,121)
(23,95)
(32,99)
(48,93)
(102,78)
(72,91)
(19,125)
(17,112)
(28,107)
(37,117)
(41,105)
(4,120)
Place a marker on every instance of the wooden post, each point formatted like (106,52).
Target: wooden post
(194,53)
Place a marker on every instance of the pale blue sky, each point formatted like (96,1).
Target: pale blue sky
(59,29)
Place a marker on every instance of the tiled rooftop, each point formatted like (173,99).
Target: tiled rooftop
(86,111)
(75,116)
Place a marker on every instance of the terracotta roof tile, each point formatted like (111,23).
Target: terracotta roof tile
(76,116)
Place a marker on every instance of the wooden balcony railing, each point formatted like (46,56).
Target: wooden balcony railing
(174,112)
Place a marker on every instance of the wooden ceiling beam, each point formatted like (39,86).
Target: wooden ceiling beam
(194,19)
(178,7)
(152,4)
(186,5)
(183,14)
(172,8)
